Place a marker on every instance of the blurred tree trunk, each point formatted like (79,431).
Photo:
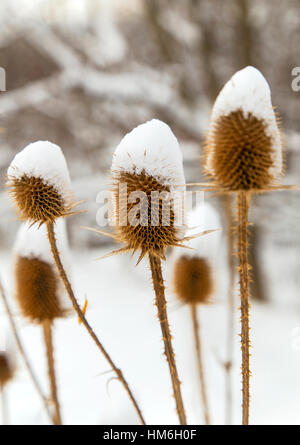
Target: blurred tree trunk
(246,33)
(164,40)
(206,44)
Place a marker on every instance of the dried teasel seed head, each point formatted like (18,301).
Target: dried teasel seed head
(193,272)
(192,280)
(6,369)
(146,169)
(244,145)
(144,235)
(39,183)
(38,289)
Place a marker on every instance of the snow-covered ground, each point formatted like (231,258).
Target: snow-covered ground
(121,310)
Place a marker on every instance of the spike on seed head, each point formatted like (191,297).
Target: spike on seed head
(192,280)
(39,183)
(243,146)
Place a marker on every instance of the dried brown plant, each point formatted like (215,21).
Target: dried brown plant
(193,285)
(40,202)
(6,370)
(36,293)
(192,279)
(36,290)
(37,201)
(243,155)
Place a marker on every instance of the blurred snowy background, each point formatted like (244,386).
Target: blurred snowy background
(81,73)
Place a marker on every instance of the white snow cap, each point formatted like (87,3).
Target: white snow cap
(248,90)
(32,243)
(152,147)
(45,160)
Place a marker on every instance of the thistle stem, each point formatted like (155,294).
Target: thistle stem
(47,331)
(23,354)
(64,278)
(243,208)
(197,339)
(230,326)
(159,288)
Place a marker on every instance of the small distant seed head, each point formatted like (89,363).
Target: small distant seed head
(192,280)
(6,370)
(36,289)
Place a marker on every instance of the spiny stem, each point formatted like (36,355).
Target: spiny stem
(243,207)
(47,331)
(230,327)
(158,284)
(64,278)
(23,353)
(196,330)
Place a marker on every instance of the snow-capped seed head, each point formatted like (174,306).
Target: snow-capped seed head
(244,145)
(38,289)
(6,369)
(39,183)
(192,280)
(153,148)
(148,160)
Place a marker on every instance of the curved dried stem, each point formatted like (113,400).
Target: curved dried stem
(196,330)
(243,208)
(159,288)
(23,354)
(47,331)
(64,278)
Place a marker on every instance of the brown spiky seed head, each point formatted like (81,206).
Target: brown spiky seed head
(6,369)
(243,149)
(37,201)
(242,157)
(192,280)
(39,183)
(36,289)
(150,235)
